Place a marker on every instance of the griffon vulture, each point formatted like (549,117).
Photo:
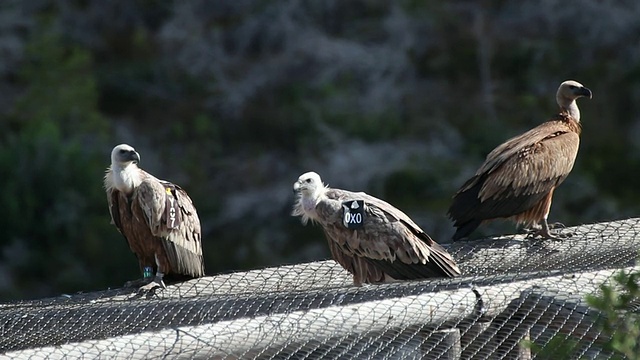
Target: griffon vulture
(156,217)
(370,238)
(518,178)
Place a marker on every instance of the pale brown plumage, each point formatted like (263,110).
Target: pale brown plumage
(518,178)
(141,205)
(388,246)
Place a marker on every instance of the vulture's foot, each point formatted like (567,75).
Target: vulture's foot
(137,282)
(557,225)
(543,230)
(564,235)
(558,234)
(545,233)
(152,286)
(532,229)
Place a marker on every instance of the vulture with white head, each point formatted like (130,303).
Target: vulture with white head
(370,238)
(518,178)
(156,217)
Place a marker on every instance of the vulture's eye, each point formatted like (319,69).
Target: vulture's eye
(308,180)
(123,151)
(572,87)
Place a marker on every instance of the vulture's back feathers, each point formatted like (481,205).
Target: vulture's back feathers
(388,242)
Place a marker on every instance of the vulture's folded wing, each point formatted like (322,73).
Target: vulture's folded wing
(517,175)
(182,240)
(390,240)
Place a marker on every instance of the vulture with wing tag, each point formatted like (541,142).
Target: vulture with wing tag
(156,217)
(518,178)
(370,238)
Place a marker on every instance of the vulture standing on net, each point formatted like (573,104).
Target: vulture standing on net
(156,217)
(370,238)
(518,178)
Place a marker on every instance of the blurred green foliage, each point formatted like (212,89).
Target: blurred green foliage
(617,304)
(54,213)
(61,96)
(558,347)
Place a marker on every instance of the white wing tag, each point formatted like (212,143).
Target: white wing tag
(172,211)
(353,214)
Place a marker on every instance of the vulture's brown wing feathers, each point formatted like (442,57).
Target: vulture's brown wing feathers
(120,210)
(389,239)
(516,175)
(113,199)
(362,271)
(182,244)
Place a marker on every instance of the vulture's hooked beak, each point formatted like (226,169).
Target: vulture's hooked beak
(134,156)
(296,187)
(584,92)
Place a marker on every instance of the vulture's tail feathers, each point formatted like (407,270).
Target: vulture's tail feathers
(465,229)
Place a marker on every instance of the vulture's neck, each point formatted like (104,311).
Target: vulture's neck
(309,203)
(571,107)
(126,178)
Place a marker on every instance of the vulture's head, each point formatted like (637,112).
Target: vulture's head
(308,184)
(123,155)
(571,90)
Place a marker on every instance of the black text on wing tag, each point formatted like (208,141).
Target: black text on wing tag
(353,214)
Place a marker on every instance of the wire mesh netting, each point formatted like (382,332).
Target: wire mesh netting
(513,288)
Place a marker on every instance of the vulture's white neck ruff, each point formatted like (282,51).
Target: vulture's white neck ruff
(308,202)
(572,109)
(125,178)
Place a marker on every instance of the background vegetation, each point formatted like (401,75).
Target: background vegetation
(617,317)
(235,99)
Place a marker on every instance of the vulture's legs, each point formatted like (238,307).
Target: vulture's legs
(156,282)
(147,277)
(532,229)
(545,232)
